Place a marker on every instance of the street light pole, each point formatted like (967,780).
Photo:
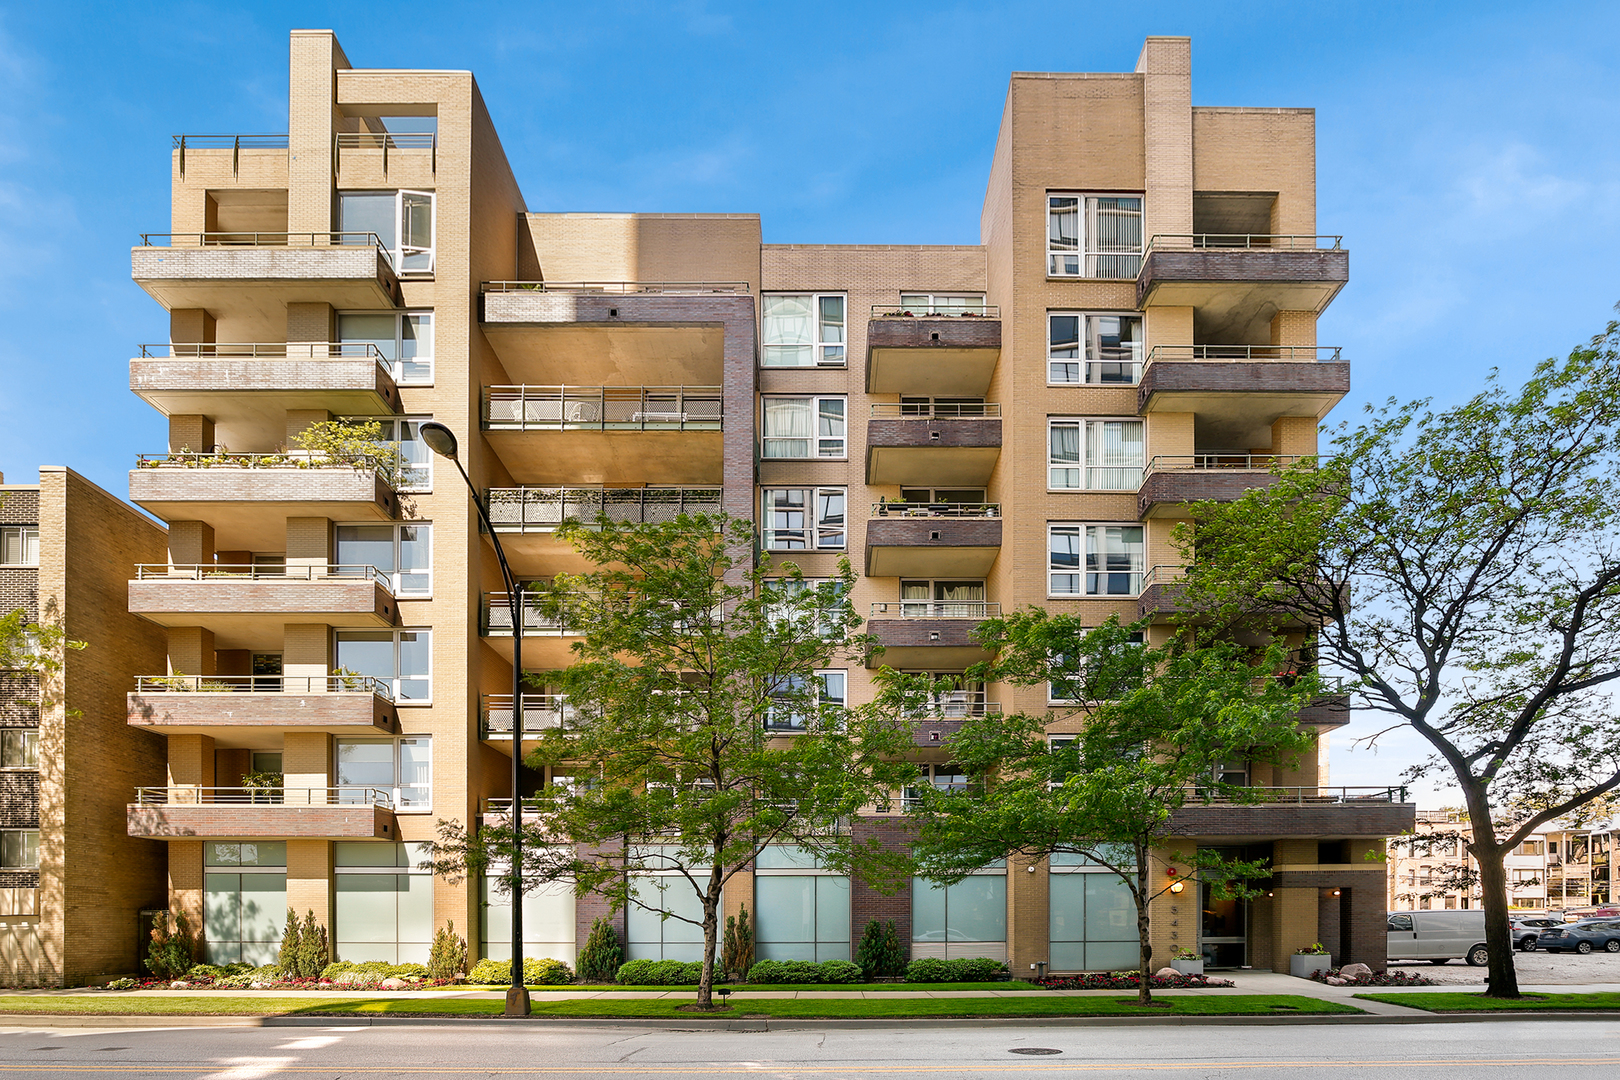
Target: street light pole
(442,441)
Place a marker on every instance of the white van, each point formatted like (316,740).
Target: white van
(1438,936)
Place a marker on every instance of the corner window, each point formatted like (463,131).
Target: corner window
(804,519)
(401,220)
(1095,455)
(804,330)
(1114,558)
(19,748)
(404,339)
(1094,350)
(416,465)
(19,849)
(401,658)
(19,545)
(401,767)
(403,553)
(1093,236)
(803,427)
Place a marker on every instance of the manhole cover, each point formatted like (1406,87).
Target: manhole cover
(1033,1050)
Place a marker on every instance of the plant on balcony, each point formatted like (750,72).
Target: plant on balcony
(1481,546)
(349,679)
(263,787)
(1159,722)
(357,444)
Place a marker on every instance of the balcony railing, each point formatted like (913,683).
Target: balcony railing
(264,684)
(970,310)
(1316,795)
(333,239)
(541,712)
(935,609)
(1297,354)
(234,143)
(1219,460)
(227,460)
(387,140)
(503,807)
(603,408)
(540,509)
(624,288)
(1162,575)
(972,410)
(498,617)
(956,705)
(279,350)
(936,510)
(186,795)
(1242,242)
(253,572)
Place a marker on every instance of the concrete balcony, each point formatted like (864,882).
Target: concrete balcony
(189,813)
(1300,812)
(547,639)
(928,635)
(234,710)
(931,354)
(1171,481)
(232,601)
(1236,392)
(933,446)
(250,386)
(1235,283)
(526,518)
(255,275)
(1160,597)
(644,331)
(932,540)
(616,435)
(247,497)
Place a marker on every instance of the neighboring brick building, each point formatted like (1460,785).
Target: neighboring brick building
(1556,869)
(979,427)
(73,881)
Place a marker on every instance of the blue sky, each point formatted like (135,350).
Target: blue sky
(1467,151)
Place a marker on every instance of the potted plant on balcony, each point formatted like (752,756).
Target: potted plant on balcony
(1187,961)
(263,787)
(1308,960)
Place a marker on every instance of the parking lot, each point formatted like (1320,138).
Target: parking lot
(1534,968)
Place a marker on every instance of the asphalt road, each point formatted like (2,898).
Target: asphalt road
(1518,1050)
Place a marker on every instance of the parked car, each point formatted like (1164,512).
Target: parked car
(1582,937)
(1438,936)
(1527,930)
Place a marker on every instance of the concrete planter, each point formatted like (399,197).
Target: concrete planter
(1188,967)
(1301,965)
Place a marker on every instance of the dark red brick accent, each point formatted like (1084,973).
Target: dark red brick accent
(19,799)
(1174,486)
(884,532)
(1330,710)
(593,906)
(1325,819)
(1244,265)
(933,333)
(923,431)
(1210,376)
(20,507)
(865,902)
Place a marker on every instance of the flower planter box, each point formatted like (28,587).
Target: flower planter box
(1301,965)
(1189,967)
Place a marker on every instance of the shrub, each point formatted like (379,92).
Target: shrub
(334,969)
(121,984)
(599,960)
(784,971)
(449,955)
(880,953)
(839,971)
(977,969)
(661,973)
(313,951)
(287,958)
(928,969)
(537,971)
(407,971)
(200,972)
(172,952)
(737,953)
(358,444)
(233,982)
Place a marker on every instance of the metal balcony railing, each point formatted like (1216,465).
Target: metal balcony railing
(296,572)
(264,684)
(225,459)
(624,288)
(1316,795)
(541,712)
(387,140)
(936,510)
(1219,460)
(540,509)
(497,614)
(234,143)
(334,239)
(1296,354)
(956,705)
(1242,242)
(503,807)
(935,609)
(234,350)
(603,408)
(187,795)
(1162,575)
(970,410)
(946,310)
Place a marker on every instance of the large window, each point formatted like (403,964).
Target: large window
(416,473)
(1093,236)
(1114,560)
(965,919)
(19,748)
(794,695)
(1099,350)
(803,427)
(244,901)
(1091,917)
(405,340)
(19,849)
(1095,455)
(804,519)
(942,303)
(648,936)
(402,220)
(401,658)
(404,553)
(548,920)
(942,599)
(401,767)
(804,330)
(19,545)
(1066,680)
(801,911)
(384,904)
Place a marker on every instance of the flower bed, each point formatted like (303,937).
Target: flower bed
(1376,978)
(1127,980)
(338,976)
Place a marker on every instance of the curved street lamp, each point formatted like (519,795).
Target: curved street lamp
(442,441)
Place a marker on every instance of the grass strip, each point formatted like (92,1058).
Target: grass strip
(1015,984)
(1455,1002)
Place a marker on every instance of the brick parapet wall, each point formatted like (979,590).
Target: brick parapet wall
(359,596)
(1235,377)
(932,432)
(951,333)
(273,822)
(223,374)
(1242,265)
(289,485)
(1309,820)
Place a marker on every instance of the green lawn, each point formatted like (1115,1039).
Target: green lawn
(1454,1002)
(1016,984)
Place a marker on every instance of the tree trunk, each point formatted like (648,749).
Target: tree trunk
(1503,979)
(1144,990)
(711,925)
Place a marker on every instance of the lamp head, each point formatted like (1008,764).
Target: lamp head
(440,439)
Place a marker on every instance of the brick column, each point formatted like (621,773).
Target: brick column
(309,881)
(1296,328)
(185,882)
(1165,65)
(1293,923)
(191,543)
(865,902)
(306,764)
(299,419)
(191,651)
(304,655)
(1293,435)
(191,326)
(309,328)
(191,433)
(309,542)
(1029,920)
(191,761)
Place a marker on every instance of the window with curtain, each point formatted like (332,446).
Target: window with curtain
(1095,455)
(19,545)
(1097,350)
(803,330)
(942,303)
(803,519)
(794,696)
(19,748)
(1114,560)
(945,599)
(1094,236)
(404,339)
(803,427)
(19,849)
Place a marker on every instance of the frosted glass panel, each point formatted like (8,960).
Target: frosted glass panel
(548,923)
(927,911)
(786,857)
(787,909)
(649,936)
(221,909)
(1092,923)
(976,909)
(264,907)
(832,912)
(415,917)
(1110,911)
(1111,955)
(367,910)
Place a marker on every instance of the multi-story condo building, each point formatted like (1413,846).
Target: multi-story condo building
(72,880)
(978,428)
(1556,869)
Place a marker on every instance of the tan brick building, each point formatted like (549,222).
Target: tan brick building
(978,428)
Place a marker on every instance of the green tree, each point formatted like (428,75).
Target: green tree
(1479,546)
(38,646)
(1159,722)
(700,729)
